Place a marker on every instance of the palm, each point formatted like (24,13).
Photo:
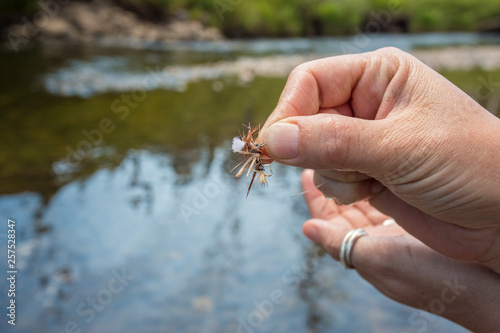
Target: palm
(466,244)
(359,215)
(395,262)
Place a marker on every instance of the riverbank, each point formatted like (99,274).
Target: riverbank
(95,77)
(463,58)
(92,22)
(459,58)
(162,20)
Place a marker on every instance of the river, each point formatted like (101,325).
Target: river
(148,231)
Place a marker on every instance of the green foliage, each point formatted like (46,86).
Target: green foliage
(340,17)
(252,18)
(249,18)
(13,7)
(451,15)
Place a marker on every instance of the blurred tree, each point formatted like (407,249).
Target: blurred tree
(279,18)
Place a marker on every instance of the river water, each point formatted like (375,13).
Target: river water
(115,166)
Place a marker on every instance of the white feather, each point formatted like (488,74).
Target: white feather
(237,145)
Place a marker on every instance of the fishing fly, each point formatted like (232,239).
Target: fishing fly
(256,156)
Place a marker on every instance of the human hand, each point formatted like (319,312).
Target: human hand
(402,267)
(384,126)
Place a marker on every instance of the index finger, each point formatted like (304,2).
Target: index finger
(323,83)
(354,85)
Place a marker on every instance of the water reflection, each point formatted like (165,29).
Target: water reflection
(192,256)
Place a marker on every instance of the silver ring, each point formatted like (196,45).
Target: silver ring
(347,245)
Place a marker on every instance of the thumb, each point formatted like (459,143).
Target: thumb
(329,141)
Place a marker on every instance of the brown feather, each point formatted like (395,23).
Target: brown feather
(251,182)
(256,157)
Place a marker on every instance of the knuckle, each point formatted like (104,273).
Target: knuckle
(392,52)
(393,58)
(305,69)
(301,89)
(300,69)
(330,246)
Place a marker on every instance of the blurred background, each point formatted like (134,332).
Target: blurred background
(116,119)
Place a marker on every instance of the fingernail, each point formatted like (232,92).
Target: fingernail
(282,140)
(311,231)
(309,172)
